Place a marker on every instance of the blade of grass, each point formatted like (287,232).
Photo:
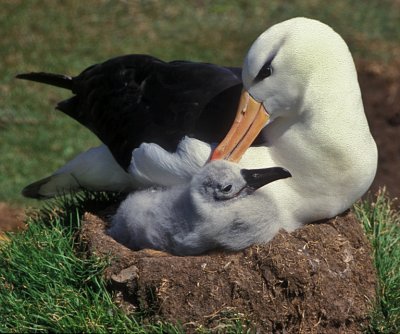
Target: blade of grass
(381,221)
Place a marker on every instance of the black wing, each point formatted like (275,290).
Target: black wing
(132,99)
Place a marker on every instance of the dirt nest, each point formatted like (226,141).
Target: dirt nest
(318,279)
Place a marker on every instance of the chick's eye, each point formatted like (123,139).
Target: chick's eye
(227,188)
(264,72)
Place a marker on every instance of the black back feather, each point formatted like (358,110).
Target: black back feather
(132,99)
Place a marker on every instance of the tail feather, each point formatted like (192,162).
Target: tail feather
(58,80)
(33,190)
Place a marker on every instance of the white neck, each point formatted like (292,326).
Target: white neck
(327,147)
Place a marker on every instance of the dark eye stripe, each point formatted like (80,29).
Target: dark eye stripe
(264,72)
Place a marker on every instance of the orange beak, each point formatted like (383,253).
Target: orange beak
(251,118)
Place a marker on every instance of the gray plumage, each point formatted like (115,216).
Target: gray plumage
(218,209)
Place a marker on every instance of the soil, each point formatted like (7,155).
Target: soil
(11,219)
(380,86)
(318,279)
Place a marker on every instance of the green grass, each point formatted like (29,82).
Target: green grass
(45,286)
(48,284)
(68,36)
(381,221)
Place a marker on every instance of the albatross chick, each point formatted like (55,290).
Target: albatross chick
(219,209)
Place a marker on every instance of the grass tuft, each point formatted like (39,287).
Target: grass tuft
(81,202)
(46,284)
(381,222)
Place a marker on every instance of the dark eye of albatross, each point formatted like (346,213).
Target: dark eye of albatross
(264,72)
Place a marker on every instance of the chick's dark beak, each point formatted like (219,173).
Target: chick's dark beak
(256,178)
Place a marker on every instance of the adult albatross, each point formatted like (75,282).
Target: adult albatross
(300,86)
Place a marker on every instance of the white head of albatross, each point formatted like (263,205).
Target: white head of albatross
(218,209)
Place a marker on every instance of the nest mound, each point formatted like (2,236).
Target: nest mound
(318,279)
